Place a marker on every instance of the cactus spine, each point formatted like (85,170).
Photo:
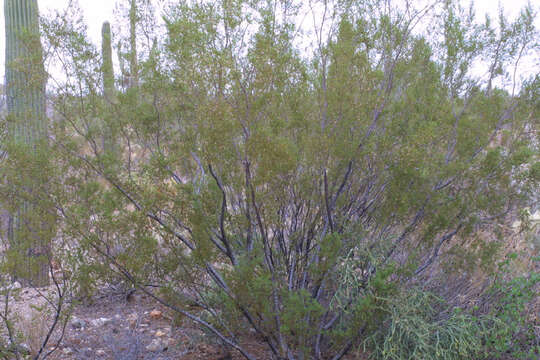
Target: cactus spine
(25,88)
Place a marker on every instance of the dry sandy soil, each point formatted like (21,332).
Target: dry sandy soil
(113,327)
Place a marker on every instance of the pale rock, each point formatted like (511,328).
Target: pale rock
(100,322)
(160,333)
(24,349)
(157,345)
(67,351)
(77,323)
(100,352)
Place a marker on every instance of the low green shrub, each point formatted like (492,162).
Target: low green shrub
(418,324)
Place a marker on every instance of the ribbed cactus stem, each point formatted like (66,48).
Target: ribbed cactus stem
(107,65)
(25,80)
(108,86)
(27,128)
(133,65)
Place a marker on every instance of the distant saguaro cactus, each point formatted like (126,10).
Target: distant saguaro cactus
(107,65)
(108,84)
(133,65)
(28,232)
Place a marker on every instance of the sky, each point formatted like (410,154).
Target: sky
(98,11)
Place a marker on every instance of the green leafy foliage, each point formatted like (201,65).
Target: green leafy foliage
(417,325)
(517,334)
(302,193)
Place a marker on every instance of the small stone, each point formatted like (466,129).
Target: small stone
(160,333)
(24,349)
(100,322)
(156,314)
(100,352)
(77,323)
(157,345)
(67,351)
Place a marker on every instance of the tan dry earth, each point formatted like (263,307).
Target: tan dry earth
(114,328)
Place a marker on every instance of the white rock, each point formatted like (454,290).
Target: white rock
(157,345)
(77,323)
(67,351)
(100,322)
(100,352)
(24,348)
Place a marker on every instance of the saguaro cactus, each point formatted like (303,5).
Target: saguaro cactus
(25,80)
(28,232)
(133,65)
(108,84)
(107,65)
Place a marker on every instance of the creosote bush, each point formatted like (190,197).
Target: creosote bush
(298,184)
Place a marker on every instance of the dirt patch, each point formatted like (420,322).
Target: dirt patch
(113,327)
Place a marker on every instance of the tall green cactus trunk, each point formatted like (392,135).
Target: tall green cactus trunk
(28,233)
(109,138)
(107,65)
(133,65)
